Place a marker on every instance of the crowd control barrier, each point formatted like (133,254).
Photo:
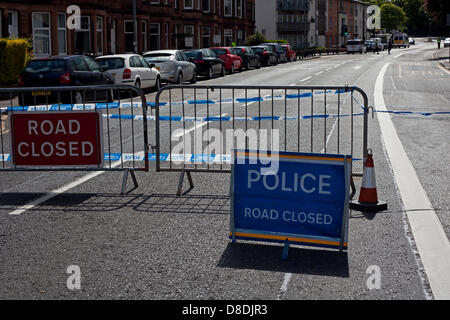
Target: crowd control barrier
(197,126)
(71,129)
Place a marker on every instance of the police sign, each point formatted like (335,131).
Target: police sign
(305,201)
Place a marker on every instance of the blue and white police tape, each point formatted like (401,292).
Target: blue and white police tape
(225,118)
(140,156)
(125,105)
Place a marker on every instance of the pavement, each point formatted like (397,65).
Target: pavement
(443,56)
(151,244)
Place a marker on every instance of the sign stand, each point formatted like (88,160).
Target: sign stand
(284,254)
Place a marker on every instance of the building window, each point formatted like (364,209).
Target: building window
(227,8)
(129,35)
(154,36)
(228,36)
(166,35)
(240,37)
(99,29)
(62,34)
(144,35)
(189,39)
(206,37)
(205,5)
(189,4)
(83,35)
(13,24)
(239,8)
(41,33)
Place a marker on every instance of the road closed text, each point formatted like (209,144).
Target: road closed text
(57,139)
(294,216)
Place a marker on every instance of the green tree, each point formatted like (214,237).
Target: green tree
(255,39)
(438,9)
(392,17)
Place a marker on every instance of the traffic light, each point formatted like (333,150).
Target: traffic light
(344,30)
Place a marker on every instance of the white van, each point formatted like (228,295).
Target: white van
(378,43)
(356,45)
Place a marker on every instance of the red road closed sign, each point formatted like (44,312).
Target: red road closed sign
(56,138)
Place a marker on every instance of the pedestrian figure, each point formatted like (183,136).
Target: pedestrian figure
(439,42)
(389,46)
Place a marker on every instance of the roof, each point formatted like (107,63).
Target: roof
(171,51)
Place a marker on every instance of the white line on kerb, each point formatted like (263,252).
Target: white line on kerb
(430,238)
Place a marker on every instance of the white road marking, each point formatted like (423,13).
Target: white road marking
(356,68)
(58,191)
(430,238)
(319,73)
(307,78)
(199,125)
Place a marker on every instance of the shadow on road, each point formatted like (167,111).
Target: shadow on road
(301,260)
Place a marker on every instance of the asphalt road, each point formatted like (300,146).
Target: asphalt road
(150,244)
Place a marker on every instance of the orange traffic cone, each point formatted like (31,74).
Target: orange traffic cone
(368,198)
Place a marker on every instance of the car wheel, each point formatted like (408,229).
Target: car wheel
(78,97)
(258,65)
(210,73)
(157,86)
(232,69)
(247,66)
(194,77)
(137,84)
(180,78)
(277,62)
(222,74)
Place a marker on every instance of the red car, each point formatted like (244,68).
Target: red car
(290,54)
(232,60)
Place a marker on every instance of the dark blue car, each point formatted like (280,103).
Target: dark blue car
(75,70)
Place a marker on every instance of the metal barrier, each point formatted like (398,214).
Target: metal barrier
(303,118)
(43,129)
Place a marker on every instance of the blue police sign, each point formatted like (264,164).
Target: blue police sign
(304,201)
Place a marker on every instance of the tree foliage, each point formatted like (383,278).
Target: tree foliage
(255,39)
(438,9)
(392,17)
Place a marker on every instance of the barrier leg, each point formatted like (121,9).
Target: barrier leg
(285,253)
(180,182)
(125,179)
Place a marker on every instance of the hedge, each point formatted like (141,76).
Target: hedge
(14,54)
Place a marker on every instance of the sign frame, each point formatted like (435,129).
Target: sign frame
(99,147)
(289,238)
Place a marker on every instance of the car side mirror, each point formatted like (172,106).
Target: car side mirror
(151,65)
(103,69)
(191,60)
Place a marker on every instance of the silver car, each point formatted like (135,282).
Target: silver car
(173,65)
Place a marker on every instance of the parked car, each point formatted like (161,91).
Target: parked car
(356,45)
(411,41)
(206,61)
(290,54)
(447,42)
(76,70)
(173,65)
(131,69)
(249,58)
(370,45)
(277,48)
(232,61)
(266,55)
(378,43)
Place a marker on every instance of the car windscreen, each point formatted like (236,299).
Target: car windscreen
(219,52)
(111,63)
(238,50)
(258,49)
(353,43)
(193,54)
(158,57)
(48,65)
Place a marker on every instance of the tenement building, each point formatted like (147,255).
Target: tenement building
(61,27)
